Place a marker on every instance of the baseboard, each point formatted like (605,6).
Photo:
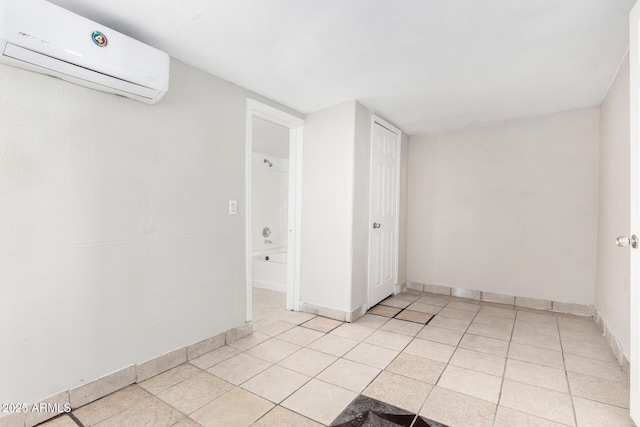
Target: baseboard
(612,340)
(538,304)
(79,396)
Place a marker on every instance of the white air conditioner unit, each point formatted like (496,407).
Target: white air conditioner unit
(42,37)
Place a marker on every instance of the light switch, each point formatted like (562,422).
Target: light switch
(233,207)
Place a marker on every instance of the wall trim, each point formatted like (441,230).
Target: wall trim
(538,304)
(82,395)
(613,341)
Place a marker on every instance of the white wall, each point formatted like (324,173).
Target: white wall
(115,242)
(327,207)
(509,208)
(361,189)
(612,283)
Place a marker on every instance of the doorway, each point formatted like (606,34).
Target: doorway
(273,162)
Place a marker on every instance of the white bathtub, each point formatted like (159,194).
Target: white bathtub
(270,271)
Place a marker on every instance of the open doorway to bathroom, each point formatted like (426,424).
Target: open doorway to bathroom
(274,141)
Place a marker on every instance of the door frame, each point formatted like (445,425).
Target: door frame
(634,199)
(375,119)
(295,125)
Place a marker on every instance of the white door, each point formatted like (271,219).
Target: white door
(634,315)
(384,203)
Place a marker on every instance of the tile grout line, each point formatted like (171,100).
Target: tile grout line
(504,369)
(566,374)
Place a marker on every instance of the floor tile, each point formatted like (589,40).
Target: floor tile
(489,319)
(319,401)
(439,301)
(333,344)
(110,405)
(294,317)
(460,325)
(170,378)
(250,341)
(348,374)
(383,310)
(273,350)
(532,315)
(186,422)
(477,361)
(150,412)
(400,391)
(62,421)
(458,410)
(416,367)
(371,355)
(395,302)
(300,336)
(237,408)
(214,357)
(271,327)
(308,362)
(275,383)
(500,332)
(499,312)
(414,316)
(352,332)
(238,369)
(424,308)
(538,375)
(541,402)
(371,321)
(430,350)
(443,336)
(484,344)
(472,308)
(322,324)
(282,417)
(195,392)
(457,314)
(471,383)
(536,340)
(584,349)
(541,356)
(604,391)
(389,340)
(507,417)
(402,327)
(592,414)
(595,368)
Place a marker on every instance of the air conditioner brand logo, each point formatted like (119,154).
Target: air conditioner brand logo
(99,38)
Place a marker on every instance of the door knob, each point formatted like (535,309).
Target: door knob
(376,225)
(624,241)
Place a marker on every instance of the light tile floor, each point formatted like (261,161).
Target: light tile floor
(473,364)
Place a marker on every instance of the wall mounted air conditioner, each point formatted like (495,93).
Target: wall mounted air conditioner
(42,37)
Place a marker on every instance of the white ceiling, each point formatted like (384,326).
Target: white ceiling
(425,65)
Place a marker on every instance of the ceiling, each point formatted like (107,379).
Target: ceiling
(425,65)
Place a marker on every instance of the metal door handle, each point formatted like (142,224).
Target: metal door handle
(624,241)
(376,225)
